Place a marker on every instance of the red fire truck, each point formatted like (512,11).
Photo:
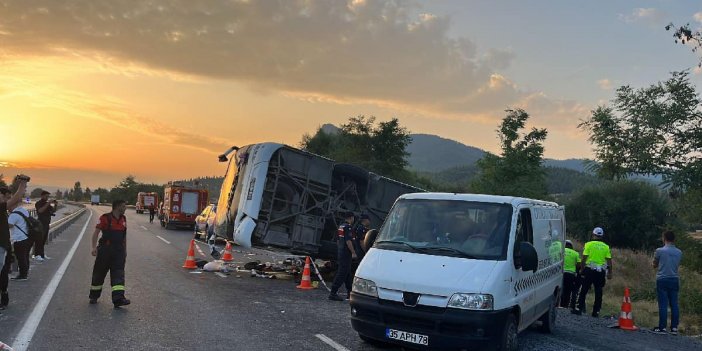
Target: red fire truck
(144,200)
(181,205)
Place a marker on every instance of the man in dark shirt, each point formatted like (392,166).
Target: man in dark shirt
(45,209)
(7,199)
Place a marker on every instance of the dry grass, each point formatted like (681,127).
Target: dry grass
(633,270)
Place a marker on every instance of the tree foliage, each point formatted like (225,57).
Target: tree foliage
(36,193)
(77,192)
(380,148)
(685,36)
(517,171)
(652,130)
(632,213)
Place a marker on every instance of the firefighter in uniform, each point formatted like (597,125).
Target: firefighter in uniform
(111,254)
(571,279)
(596,265)
(346,254)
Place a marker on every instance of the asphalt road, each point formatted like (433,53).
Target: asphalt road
(177,309)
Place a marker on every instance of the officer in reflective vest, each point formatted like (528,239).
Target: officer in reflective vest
(345,255)
(571,276)
(111,254)
(596,265)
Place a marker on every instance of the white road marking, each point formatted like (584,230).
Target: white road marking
(142,227)
(164,240)
(331,342)
(30,326)
(221,275)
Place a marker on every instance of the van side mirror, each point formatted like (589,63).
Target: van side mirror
(528,257)
(369,240)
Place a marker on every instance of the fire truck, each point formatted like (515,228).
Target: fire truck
(182,204)
(144,200)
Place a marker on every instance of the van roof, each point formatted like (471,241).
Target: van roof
(514,201)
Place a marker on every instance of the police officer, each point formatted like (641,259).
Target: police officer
(111,254)
(346,254)
(359,235)
(596,265)
(571,277)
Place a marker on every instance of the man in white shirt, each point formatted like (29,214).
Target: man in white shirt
(20,240)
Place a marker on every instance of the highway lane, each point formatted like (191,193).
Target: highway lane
(177,309)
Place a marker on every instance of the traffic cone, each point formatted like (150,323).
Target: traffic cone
(626,320)
(190,260)
(306,282)
(227,257)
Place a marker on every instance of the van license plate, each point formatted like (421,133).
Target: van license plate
(407,337)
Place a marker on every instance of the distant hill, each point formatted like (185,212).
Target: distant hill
(431,153)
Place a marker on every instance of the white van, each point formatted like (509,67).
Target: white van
(459,271)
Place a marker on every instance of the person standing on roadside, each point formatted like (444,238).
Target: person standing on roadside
(45,209)
(571,279)
(666,261)
(110,254)
(152,213)
(346,254)
(596,265)
(21,242)
(7,199)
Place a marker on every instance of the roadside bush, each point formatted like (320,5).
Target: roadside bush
(632,213)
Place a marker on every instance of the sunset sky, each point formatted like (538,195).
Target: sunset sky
(95,90)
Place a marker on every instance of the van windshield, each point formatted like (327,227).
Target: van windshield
(466,229)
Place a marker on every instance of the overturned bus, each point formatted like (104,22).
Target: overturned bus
(274,195)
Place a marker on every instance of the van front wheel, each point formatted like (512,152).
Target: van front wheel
(508,338)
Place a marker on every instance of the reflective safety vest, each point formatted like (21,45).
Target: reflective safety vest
(572,258)
(597,253)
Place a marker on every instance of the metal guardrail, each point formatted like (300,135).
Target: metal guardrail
(55,228)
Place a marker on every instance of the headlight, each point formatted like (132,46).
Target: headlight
(482,302)
(365,287)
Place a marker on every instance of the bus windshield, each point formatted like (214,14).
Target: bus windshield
(226,193)
(476,230)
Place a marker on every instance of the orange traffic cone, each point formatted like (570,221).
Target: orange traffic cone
(626,320)
(306,282)
(190,260)
(227,257)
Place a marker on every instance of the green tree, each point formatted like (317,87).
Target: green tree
(632,213)
(87,194)
(58,195)
(517,171)
(77,192)
(2,180)
(379,148)
(36,193)
(652,130)
(66,195)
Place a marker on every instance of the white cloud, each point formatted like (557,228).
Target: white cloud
(605,84)
(648,16)
(355,51)
(698,17)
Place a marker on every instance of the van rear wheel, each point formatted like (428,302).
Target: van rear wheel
(548,320)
